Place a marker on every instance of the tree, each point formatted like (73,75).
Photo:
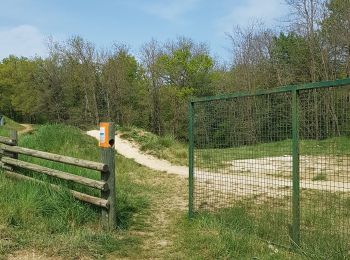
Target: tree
(18,79)
(290,57)
(186,70)
(54,94)
(123,89)
(150,53)
(79,60)
(251,49)
(306,17)
(336,30)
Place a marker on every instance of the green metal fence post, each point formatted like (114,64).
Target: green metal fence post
(190,159)
(296,175)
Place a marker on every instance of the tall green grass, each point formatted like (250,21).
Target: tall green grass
(231,234)
(33,215)
(252,229)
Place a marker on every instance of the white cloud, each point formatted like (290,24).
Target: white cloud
(267,11)
(22,40)
(170,9)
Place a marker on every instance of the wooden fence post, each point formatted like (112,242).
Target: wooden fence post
(14,155)
(10,141)
(14,138)
(107,140)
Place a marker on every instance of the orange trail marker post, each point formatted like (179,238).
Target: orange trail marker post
(106,143)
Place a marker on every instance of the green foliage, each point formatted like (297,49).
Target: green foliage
(291,54)
(19,91)
(335,31)
(188,69)
(185,69)
(82,86)
(124,89)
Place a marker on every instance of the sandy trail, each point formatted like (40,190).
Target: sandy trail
(237,182)
(27,129)
(129,150)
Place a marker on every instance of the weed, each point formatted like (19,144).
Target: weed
(320,177)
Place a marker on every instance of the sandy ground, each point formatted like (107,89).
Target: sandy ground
(30,255)
(270,175)
(27,128)
(333,168)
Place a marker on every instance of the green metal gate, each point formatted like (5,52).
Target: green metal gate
(281,156)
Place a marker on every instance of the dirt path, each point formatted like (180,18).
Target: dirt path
(240,183)
(27,129)
(168,206)
(157,227)
(130,151)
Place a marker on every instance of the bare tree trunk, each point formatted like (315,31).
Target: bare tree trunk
(97,117)
(108,106)
(156,120)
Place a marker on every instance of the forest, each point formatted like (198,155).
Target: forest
(81,85)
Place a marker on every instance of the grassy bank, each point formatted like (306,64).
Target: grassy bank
(163,147)
(36,217)
(9,125)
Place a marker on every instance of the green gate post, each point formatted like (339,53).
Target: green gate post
(190,159)
(296,174)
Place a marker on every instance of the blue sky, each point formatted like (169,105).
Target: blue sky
(25,25)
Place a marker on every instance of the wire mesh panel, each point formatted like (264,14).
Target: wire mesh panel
(242,159)
(281,159)
(325,171)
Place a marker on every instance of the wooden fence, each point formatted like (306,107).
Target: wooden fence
(9,152)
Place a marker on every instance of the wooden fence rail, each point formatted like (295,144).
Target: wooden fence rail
(56,158)
(6,140)
(9,162)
